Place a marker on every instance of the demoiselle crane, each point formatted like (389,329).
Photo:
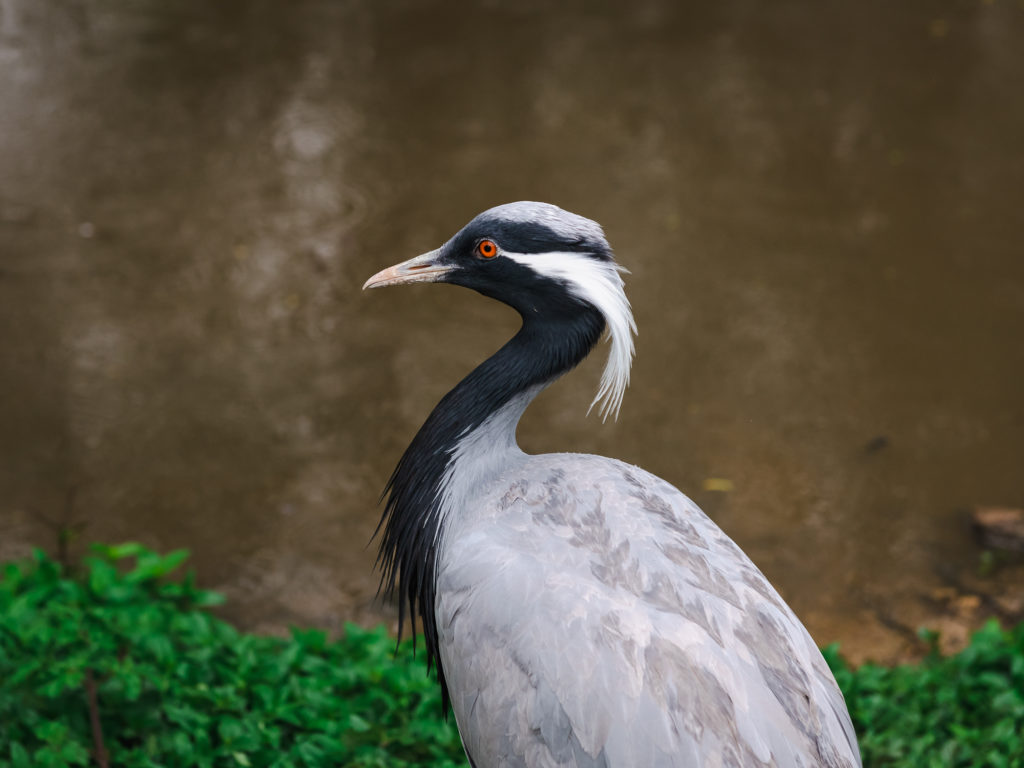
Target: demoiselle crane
(581,611)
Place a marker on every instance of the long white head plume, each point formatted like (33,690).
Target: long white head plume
(598,282)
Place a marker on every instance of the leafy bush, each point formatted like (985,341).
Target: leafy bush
(124,649)
(173,686)
(946,712)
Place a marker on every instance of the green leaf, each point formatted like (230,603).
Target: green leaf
(177,686)
(120,551)
(357,723)
(19,756)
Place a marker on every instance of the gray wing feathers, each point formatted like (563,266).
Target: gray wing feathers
(591,615)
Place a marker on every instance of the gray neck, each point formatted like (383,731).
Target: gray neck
(480,456)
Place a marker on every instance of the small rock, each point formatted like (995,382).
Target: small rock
(967,605)
(1011,605)
(1000,527)
(944,594)
(954,634)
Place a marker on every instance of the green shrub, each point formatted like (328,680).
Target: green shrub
(175,686)
(946,712)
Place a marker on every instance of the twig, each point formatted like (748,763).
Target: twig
(64,532)
(99,749)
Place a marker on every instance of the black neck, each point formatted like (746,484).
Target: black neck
(542,350)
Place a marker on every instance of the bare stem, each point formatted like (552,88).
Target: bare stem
(99,749)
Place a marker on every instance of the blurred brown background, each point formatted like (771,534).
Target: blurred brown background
(820,205)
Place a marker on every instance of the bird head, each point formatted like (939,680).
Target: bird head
(544,262)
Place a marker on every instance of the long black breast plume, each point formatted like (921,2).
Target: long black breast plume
(410,527)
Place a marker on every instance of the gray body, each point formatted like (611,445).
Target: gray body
(582,611)
(590,614)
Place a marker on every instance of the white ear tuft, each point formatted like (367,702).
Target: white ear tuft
(599,283)
(621,330)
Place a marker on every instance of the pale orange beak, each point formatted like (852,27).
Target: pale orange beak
(422,269)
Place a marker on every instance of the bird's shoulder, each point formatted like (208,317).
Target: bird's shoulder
(600,606)
(589,511)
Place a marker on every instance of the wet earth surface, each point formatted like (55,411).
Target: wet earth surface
(819,207)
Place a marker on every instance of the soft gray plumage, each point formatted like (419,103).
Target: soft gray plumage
(588,613)
(591,615)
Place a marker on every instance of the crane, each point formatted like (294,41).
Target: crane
(580,611)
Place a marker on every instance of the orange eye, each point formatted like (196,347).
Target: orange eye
(487,248)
